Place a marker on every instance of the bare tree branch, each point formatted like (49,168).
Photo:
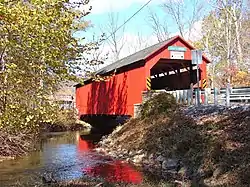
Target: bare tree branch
(174,9)
(160,29)
(138,43)
(116,41)
(177,10)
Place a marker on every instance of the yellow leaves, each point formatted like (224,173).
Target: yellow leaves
(12,106)
(48,121)
(39,45)
(11,65)
(242,78)
(29,117)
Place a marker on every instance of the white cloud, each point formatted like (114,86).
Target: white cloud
(136,42)
(195,33)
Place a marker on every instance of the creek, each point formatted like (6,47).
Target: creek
(63,157)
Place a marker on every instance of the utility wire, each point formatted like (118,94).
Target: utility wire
(128,19)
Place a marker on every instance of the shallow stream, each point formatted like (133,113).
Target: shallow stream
(63,157)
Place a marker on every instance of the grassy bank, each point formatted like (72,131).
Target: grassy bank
(208,147)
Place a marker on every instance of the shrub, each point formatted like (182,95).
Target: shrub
(158,104)
(65,118)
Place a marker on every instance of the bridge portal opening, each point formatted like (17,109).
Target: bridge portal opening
(170,74)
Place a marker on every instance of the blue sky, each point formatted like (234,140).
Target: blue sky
(140,23)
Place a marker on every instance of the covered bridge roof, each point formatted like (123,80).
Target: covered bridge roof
(140,55)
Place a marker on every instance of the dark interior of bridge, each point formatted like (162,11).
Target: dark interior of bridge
(172,74)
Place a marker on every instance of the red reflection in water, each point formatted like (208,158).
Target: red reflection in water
(115,172)
(84,145)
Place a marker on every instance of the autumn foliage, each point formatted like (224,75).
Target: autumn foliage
(38,51)
(241,78)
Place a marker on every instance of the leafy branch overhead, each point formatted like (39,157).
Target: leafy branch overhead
(38,50)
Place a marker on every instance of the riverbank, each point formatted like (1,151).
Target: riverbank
(199,146)
(76,125)
(13,144)
(18,143)
(66,120)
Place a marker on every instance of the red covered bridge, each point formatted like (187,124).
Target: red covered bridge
(166,64)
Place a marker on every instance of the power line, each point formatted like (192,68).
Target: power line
(128,19)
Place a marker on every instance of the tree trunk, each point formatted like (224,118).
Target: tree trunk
(228,42)
(237,32)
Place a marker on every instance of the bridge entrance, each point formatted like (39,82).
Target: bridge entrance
(170,74)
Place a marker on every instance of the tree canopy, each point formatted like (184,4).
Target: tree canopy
(38,50)
(226,41)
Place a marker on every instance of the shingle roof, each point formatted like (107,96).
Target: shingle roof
(140,55)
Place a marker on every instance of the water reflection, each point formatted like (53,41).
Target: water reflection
(84,145)
(66,156)
(116,171)
(111,170)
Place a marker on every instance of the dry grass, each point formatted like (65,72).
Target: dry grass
(218,146)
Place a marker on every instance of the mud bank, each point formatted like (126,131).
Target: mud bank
(205,146)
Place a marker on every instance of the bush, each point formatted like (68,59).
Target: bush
(66,117)
(158,104)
